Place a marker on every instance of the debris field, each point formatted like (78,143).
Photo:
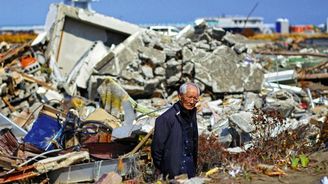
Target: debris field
(79,102)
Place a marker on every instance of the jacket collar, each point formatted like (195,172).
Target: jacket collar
(179,110)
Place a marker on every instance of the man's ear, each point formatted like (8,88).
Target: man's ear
(180,96)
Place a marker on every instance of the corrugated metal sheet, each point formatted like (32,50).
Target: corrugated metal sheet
(8,142)
(8,149)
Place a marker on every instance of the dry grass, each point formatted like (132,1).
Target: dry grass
(17,38)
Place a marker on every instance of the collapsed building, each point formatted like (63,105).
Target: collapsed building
(86,92)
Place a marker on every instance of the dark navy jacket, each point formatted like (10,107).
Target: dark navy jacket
(167,145)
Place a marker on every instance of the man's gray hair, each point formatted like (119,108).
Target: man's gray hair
(183,88)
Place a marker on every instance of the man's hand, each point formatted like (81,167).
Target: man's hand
(158,175)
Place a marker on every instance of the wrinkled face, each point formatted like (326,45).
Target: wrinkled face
(190,99)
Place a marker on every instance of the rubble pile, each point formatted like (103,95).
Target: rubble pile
(78,103)
(24,85)
(149,64)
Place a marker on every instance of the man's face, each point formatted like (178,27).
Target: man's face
(190,99)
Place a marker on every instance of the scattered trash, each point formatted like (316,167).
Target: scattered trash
(86,114)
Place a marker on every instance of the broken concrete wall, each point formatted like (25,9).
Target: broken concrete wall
(150,64)
(224,71)
(121,56)
(80,74)
(75,30)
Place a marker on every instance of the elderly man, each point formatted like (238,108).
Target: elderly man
(174,146)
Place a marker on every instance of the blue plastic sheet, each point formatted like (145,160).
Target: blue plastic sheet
(44,130)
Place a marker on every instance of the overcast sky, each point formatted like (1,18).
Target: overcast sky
(33,12)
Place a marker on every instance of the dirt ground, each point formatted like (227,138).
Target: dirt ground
(317,169)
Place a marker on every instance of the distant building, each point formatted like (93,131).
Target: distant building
(282,26)
(238,23)
(16,29)
(165,30)
(84,4)
(302,29)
